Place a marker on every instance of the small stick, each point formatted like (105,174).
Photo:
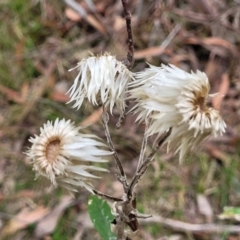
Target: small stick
(122,178)
(130,53)
(146,163)
(143,147)
(192,228)
(106,197)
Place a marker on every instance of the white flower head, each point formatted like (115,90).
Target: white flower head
(173,98)
(102,80)
(60,154)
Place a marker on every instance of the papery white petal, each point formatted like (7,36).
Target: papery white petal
(102,80)
(173,98)
(58,152)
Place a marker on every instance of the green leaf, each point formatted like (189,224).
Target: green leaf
(232,213)
(101,216)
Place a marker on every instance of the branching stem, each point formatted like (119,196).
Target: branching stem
(121,174)
(142,169)
(143,147)
(106,197)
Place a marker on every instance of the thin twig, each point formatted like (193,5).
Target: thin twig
(77,7)
(194,228)
(173,224)
(146,163)
(121,174)
(82,12)
(143,147)
(130,53)
(106,197)
(170,36)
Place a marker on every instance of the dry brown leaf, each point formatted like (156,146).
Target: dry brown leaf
(216,153)
(96,24)
(21,194)
(220,42)
(83,219)
(93,118)
(233,237)
(223,89)
(72,15)
(193,16)
(60,97)
(206,6)
(48,224)
(24,91)
(212,41)
(150,52)
(23,219)
(204,207)
(176,59)
(211,69)
(117,189)
(11,94)
(78,235)
(37,89)
(119,23)
(19,52)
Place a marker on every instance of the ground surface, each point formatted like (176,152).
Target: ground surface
(41,40)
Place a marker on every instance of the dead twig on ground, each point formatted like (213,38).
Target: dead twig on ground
(190,227)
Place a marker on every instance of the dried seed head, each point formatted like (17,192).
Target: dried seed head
(102,80)
(173,98)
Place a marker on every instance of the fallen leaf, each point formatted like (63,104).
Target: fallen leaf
(223,89)
(11,94)
(24,91)
(204,207)
(119,23)
(216,153)
(23,219)
(19,52)
(93,118)
(221,43)
(97,24)
(212,41)
(206,6)
(59,97)
(48,224)
(193,16)
(72,15)
(150,52)
(176,59)
(75,16)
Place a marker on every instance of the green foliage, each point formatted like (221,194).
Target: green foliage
(232,213)
(64,229)
(101,216)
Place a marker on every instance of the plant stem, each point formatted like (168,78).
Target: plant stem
(121,174)
(146,163)
(130,53)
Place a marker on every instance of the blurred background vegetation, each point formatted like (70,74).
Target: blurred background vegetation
(40,40)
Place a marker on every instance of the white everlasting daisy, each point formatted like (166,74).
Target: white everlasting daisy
(60,154)
(102,80)
(173,98)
